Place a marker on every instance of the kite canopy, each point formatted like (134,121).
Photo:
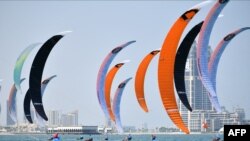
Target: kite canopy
(108,83)
(36,73)
(166,68)
(19,64)
(202,51)
(216,55)
(102,75)
(116,104)
(27,100)
(180,64)
(44,84)
(140,77)
(12,102)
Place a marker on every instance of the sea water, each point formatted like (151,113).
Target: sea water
(165,137)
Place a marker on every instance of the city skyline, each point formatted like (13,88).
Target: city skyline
(97,28)
(203,111)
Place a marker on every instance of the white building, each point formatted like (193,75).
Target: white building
(69,119)
(74,130)
(53,118)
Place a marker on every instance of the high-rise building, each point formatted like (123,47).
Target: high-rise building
(69,119)
(203,112)
(196,93)
(9,119)
(75,117)
(53,118)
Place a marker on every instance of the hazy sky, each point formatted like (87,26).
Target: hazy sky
(97,28)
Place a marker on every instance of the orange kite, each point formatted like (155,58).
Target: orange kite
(166,68)
(139,79)
(108,83)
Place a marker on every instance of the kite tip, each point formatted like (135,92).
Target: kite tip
(132,41)
(202,4)
(220,16)
(126,61)
(64,32)
(130,78)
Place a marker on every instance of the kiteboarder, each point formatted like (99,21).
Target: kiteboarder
(90,139)
(216,139)
(55,137)
(153,138)
(81,138)
(106,138)
(129,137)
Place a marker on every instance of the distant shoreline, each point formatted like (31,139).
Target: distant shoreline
(153,133)
(169,133)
